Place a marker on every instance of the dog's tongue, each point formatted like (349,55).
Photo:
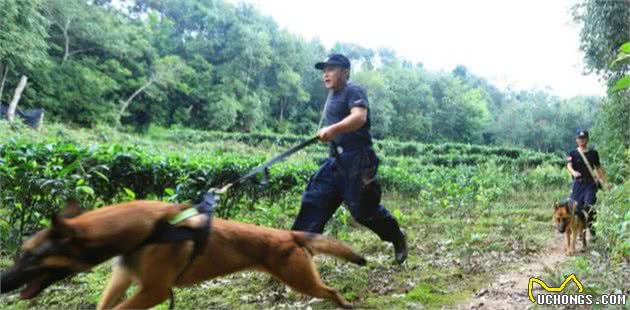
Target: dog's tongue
(32,289)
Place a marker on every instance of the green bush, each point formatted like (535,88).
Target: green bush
(40,170)
(446,154)
(36,178)
(613,221)
(547,175)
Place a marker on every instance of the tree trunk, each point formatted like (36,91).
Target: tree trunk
(249,69)
(66,53)
(281,110)
(66,37)
(4,78)
(16,98)
(40,123)
(127,102)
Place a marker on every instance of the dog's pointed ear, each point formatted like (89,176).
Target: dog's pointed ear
(72,209)
(61,229)
(556,205)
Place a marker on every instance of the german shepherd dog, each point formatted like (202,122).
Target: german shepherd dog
(77,242)
(571,221)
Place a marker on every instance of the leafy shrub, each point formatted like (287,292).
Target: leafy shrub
(613,221)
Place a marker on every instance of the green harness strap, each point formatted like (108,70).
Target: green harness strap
(183,215)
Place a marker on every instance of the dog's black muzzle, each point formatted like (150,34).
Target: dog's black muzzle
(35,279)
(11,279)
(562,226)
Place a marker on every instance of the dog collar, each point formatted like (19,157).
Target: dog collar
(183,215)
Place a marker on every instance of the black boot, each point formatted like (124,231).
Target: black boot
(387,229)
(400,248)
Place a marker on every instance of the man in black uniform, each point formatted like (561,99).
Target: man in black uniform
(349,173)
(585,185)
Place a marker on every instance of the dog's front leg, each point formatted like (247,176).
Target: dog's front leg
(146,297)
(568,248)
(574,235)
(116,287)
(158,266)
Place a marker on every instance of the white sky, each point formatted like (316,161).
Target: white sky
(523,44)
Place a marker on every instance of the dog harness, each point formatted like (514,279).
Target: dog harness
(166,232)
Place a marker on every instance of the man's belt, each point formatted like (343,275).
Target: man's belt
(335,149)
(583,179)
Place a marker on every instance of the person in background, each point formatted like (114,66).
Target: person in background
(585,185)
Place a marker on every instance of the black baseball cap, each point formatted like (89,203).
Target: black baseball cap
(334,60)
(582,133)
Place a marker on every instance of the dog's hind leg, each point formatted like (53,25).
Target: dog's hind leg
(300,273)
(116,287)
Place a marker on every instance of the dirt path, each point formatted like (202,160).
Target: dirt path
(509,290)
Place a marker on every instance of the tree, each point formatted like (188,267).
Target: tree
(623,58)
(167,71)
(605,28)
(80,92)
(536,119)
(380,106)
(16,98)
(22,43)
(461,114)
(412,101)
(360,55)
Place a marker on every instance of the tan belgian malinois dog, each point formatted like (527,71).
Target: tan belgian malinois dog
(77,243)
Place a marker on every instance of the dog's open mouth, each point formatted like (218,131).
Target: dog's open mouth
(39,283)
(35,280)
(34,287)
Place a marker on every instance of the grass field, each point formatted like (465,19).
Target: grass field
(461,238)
(452,253)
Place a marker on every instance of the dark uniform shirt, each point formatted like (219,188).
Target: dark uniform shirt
(578,163)
(339,105)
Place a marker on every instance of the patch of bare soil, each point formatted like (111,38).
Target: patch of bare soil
(509,290)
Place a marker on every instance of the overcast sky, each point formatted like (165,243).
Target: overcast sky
(526,43)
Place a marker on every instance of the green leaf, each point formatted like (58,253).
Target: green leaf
(85,189)
(100,175)
(622,83)
(69,168)
(130,193)
(625,48)
(46,183)
(620,58)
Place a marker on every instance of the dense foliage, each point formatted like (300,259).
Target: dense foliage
(214,65)
(38,175)
(605,30)
(604,39)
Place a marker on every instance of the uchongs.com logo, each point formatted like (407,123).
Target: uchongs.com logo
(558,298)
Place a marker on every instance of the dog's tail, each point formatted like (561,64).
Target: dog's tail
(316,243)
